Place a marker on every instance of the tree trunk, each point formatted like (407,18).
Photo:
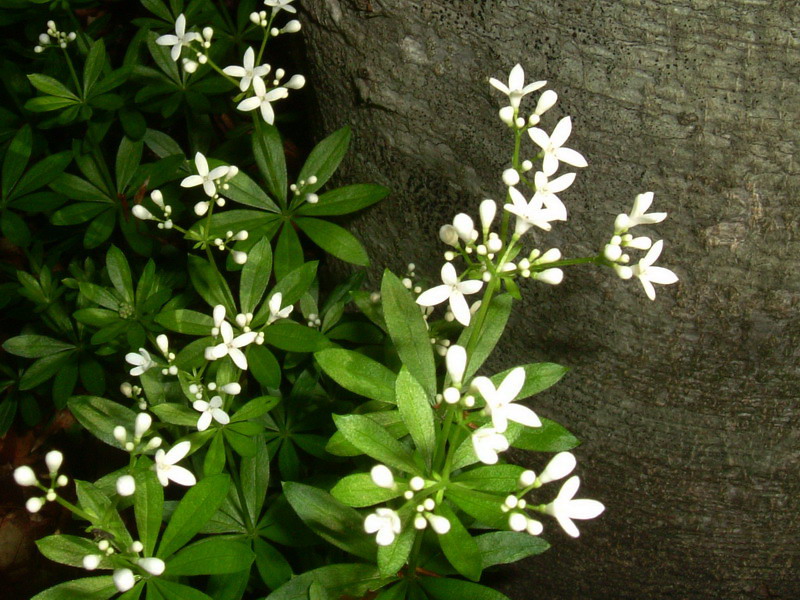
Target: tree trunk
(688,406)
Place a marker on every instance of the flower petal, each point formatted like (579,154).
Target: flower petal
(571,157)
(470,286)
(238,357)
(539,137)
(177,452)
(661,275)
(584,508)
(192,180)
(460,308)
(561,132)
(251,103)
(522,414)
(181,476)
(435,295)
(204,421)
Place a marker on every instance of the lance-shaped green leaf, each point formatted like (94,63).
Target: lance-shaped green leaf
(100,416)
(70,550)
(505,547)
(35,346)
(96,503)
(148,507)
(120,273)
(324,159)
(186,321)
(210,284)
(193,512)
(245,191)
(255,275)
(491,478)
(129,155)
(88,588)
(336,523)
(459,546)
(391,558)
(408,331)
(51,86)
(375,441)
(93,67)
(358,490)
(358,373)
(288,251)
(293,337)
(169,590)
(353,579)
(417,414)
(210,556)
(344,200)
(550,437)
(485,507)
(16,159)
(271,161)
(254,474)
(445,588)
(335,240)
(493,327)
(538,377)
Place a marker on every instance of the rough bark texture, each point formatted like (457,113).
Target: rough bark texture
(688,406)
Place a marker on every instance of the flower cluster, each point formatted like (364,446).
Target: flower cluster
(53,37)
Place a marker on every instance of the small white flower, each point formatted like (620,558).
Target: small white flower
(648,274)
(248,70)
(262,99)
(154,566)
(180,39)
(453,290)
(91,561)
(533,213)
(124,578)
(382,476)
(559,467)
(231,345)
(205,177)
(166,468)
(552,147)
(275,310)
(141,361)
(500,402)
(564,508)
(126,485)
(53,460)
(487,442)
(210,410)
(278,5)
(516,88)
(547,190)
(639,214)
(386,523)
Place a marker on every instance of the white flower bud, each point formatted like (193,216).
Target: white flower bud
(126,389)
(126,485)
(507,115)
(51,25)
(527,478)
(449,235)
(255,18)
(53,460)
(25,476)
(163,344)
(38,49)
(154,443)
(208,32)
(44,38)
(621,223)
(123,579)
(494,245)
(511,501)
(546,101)
(382,477)
(154,566)
(559,467)
(34,505)
(72,35)
(526,165)
(137,546)
(91,561)
(550,276)
(295,83)
(292,26)
(312,198)
(140,212)
(451,395)
(241,236)
(439,524)
(231,388)
(420,522)
(517,521)
(62,480)
(487,211)
(141,425)
(640,243)
(464,226)
(416,483)
(239,257)
(612,252)
(510,177)
(189,65)
(429,504)
(623,272)
(120,434)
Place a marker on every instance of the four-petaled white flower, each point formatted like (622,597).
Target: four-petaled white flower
(141,361)
(231,345)
(167,470)
(639,214)
(262,99)
(210,410)
(500,402)
(248,70)
(487,442)
(546,190)
(516,88)
(453,290)
(275,310)
(205,177)
(564,508)
(534,212)
(552,147)
(180,39)
(386,523)
(648,274)
(278,5)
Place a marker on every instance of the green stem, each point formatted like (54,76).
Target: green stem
(568,262)
(264,41)
(413,557)
(74,509)
(75,79)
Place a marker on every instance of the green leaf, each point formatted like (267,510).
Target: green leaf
(274,569)
(176,414)
(43,369)
(483,506)
(42,173)
(95,61)
(186,321)
(417,414)
(264,366)
(75,214)
(69,550)
(195,509)
(375,441)
(50,86)
(148,506)
(129,155)
(210,284)
(505,547)
(316,591)
(491,478)
(88,588)
(100,416)
(294,284)
(445,588)
(99,230)
(35,346)
(352,579)
(391,558)
(176,591)
(288,252)
(48,103)
(99,295)
(96,503)
(255,408)
(550,437)
(111,81)
(254,474)
(408,331)
(245,191)
(15,229)
(538,377)
(211,556)
(161,144)
(335,240)
(16,159)
(459,547)
(358,373)
(325,158)
(358,490)
(494,325)
(76,188)
(271,161)
(120,273)
(293,337)
(336,523)
(255,275)
(345,200)
(214,461)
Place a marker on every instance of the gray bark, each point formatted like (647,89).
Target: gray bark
(688,406)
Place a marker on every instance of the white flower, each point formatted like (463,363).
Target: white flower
(516,88)
(53,460)
(500,402)
(124,578)
(382,476)
(167,470)
(639,214)
(278,5)
(564,508)
(126,485)
(547,190)
(487,442)
(275,310)
(648,274)
(386,523)
(552,147)
(210,410)
(262,99)
(154,566)
(559,467)
(180,39)
(141,361)
(205,177)
(533,213)
(453,290)
(230,346)
(248,70)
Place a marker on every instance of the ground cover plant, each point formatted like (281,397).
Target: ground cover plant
(268,435)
